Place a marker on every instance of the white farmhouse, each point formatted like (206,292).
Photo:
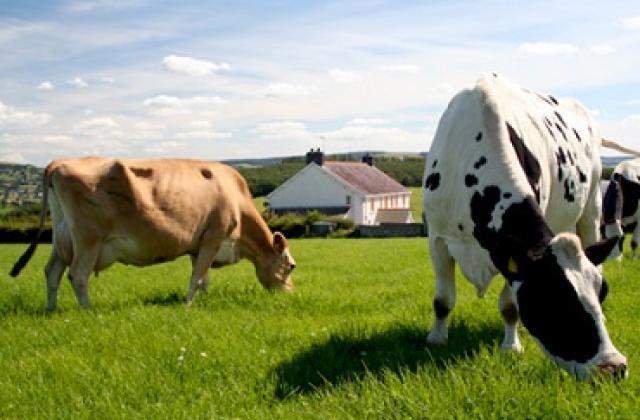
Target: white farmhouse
(357,190)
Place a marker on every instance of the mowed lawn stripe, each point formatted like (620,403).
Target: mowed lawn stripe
(349,342)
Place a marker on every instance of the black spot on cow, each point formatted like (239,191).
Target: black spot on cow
(570,157)
(206,173)
(440,308)
(527,160)
(460,227)
(506,195)
(514,239)
(479,136)
(559,128)
(560,174)
(470,180)
(142,172)
(562,158)
(433,181)
(569,190)
(435,163)
(544,98)
(604,290)
(629,228)
(582,177)
(559,117)
(575,132)
(554,100)
(550,309)
(495,75)
(509,313)
(638,177)
(612,203)
(480,162)
(630,195)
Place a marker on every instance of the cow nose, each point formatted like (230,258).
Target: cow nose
(293,266)
(615,365)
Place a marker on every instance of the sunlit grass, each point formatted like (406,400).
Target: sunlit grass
(350,342)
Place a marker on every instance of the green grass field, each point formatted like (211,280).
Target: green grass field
(349,343)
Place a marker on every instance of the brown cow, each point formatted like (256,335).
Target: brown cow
(144,212)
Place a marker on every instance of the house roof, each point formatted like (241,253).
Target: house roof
(364,178)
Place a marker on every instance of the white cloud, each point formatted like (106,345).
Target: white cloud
(287,89)
(282,130)
(97,123)
(78,82)
(192,66)
(202,135)
(11,117)
(166,101)
(108,80)
(344,76)
(200,124)
(548,48)
(46,85)
(401,68)
(56,139)
(602,49)
(368,121)
(632,23)
(12,157)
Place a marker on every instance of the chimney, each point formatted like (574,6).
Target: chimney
(315,156)
(368,159)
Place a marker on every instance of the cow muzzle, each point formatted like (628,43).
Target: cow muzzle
(614,365)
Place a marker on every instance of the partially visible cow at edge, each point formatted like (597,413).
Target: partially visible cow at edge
(144,212)
(509,178)
(623,196)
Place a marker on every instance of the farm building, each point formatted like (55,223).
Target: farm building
(357,190)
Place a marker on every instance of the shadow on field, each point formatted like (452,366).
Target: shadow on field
(164,299)
(348,357)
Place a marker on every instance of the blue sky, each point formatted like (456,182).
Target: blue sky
(221,80)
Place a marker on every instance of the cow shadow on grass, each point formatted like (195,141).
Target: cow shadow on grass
(164,299)
(347,357)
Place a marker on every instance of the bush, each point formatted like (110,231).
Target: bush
(299,225)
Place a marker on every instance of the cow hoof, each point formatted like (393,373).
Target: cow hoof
(512,347)
(436,338)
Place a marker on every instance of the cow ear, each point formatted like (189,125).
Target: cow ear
(279,242)
(599,251)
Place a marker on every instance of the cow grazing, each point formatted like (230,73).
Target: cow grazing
(625,179)
(511,175)
(145,212)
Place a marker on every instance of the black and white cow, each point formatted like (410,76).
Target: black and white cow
(511,175)
(626,179)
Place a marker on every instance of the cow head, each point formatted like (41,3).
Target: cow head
(274,271)
(559,291)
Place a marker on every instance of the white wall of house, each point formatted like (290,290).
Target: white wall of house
(373,203)
(311,187)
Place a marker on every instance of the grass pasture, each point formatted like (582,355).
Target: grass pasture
(349,343)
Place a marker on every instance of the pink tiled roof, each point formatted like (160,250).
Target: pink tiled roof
(365,178)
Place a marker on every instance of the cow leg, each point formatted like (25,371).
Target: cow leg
(203,283)
(53,271)
(206,254)
(83,263)
(635,239)
(509,312)
(445,297)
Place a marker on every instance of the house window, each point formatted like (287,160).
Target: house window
(348,200)
(371,202)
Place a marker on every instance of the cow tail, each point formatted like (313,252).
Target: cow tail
(610,144)
(24,258)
